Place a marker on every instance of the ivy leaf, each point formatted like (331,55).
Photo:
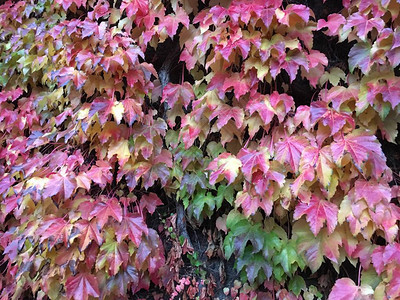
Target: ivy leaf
(254,263)
(252,161)
(394,285)
(199,200)
(60,183)
(362,146)
(360,56)
(372,191)
(318,211)
(181,93)
(333,23)
(344,289)
(55,230)
(262,106)
(121,150)
(316,247)
(225,165)
(133,110)
(133,226)
(171,22)
(149,202)
(81,286)
(296,285)
(150,254)
(115,254)
(119,283)
(190,180)
(135,7)
(67,74)
(289,150)
(293,14)
(104,107)
(105,208)
(100,173)
(286,257)
(363,24)
(88,231)
(226,112)
(320,111)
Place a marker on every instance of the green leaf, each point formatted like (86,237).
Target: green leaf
(253,263)
(296,284)
(286,258)
(370,277)
(198,204)
(224,192)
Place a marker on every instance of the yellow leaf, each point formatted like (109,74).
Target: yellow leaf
(121,149)
(117,110)
(333,76)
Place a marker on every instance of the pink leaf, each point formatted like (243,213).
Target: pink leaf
(252,161)
(362,146)
(363,24)
(344,289)
(334,22)
(289,150)
(225,112)
(318,211)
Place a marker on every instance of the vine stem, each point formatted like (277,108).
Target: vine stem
(359,274)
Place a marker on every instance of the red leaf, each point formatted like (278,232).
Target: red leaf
(301,11)
(133,111)
(102,106)
(149,202)
(133,226)
(393,290)
(67,74)
(262,106)
(344,289)
(55,230)
(282,103)
(318,211)
(151,250)
(223,82)
(81,286)
(105,208)
(88,231)
(150,128)
(10,95)
(115,254)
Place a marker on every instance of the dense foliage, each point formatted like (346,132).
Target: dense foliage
(129,127)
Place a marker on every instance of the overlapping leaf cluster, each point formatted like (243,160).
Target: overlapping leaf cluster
(85,143)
